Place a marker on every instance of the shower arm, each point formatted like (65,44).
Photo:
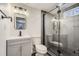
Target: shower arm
(5,16)
(53,9)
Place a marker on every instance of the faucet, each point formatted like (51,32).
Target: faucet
(20,33)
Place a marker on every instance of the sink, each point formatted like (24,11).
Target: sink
(22,37)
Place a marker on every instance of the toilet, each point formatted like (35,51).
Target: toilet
(41,50)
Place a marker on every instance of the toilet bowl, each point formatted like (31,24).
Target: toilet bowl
(40,49)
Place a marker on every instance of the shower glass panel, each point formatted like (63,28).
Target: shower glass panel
(69,32)
(51,34)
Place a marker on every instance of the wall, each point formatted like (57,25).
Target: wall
(71,29)
(33,22)
(33,25)
(2,38)
(3,31)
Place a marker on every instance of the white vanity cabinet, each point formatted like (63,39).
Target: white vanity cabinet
(13,50)
(26,49)
(19,47)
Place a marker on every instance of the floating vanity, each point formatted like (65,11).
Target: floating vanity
(19,46)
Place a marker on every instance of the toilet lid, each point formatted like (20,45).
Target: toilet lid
(41,47)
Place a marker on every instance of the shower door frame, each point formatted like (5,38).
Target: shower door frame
(43,37)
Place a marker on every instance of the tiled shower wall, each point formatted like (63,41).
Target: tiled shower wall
(69,31)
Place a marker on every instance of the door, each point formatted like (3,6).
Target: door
(26,49)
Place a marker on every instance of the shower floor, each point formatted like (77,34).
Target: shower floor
(52,50)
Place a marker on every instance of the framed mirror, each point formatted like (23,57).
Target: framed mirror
(20,21)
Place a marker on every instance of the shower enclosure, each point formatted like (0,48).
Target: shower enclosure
(60,32)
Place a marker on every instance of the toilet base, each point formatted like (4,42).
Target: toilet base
(39,54)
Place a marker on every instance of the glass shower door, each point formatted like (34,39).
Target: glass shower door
(55,35)
(51,34)
(62,35)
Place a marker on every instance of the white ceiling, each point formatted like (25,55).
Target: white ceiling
(42,6)
(49,6)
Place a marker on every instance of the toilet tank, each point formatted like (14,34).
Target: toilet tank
(36,40)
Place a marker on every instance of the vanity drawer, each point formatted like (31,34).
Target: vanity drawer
(18,41)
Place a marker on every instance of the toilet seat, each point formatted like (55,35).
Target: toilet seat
(41,49)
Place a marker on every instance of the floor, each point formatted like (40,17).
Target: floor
(47,54)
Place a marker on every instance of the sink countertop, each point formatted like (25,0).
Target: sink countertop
(19,37)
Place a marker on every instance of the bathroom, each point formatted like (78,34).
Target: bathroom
(48,30)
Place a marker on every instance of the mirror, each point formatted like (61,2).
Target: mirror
(20,21)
